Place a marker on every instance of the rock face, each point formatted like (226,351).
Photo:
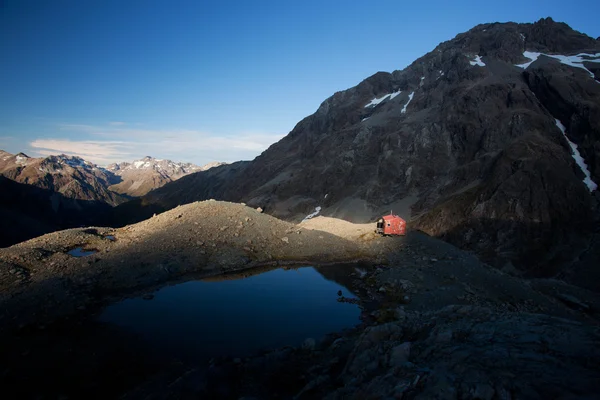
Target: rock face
(466,141)
(70,176)
(482,366)
(142,176)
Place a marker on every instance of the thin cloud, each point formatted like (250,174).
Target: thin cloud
(99,152)
(115,143)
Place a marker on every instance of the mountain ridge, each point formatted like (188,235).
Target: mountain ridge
(141,176)
(71,176)
(46,194)
(465,131)
(108,184)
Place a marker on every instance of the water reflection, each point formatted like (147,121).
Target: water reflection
(238,314)
(80,252)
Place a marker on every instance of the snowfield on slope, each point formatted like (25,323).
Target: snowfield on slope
(572,61)
(314,214)
(410,97)
(378,100)
(578,159)
(477,61)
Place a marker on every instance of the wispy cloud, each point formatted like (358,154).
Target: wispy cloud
(115,143)
(99,152)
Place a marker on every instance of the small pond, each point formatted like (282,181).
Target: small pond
(80,252)
(197,320)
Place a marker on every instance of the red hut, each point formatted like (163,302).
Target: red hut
(391,225)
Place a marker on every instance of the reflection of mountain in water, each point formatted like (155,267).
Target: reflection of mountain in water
(342,273)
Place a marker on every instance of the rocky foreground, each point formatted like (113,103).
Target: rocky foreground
(437,323)
(40,280)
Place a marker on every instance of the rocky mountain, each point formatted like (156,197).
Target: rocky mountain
(490,141)
(70,176)
(142,176)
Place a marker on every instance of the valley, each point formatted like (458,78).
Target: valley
(43,195)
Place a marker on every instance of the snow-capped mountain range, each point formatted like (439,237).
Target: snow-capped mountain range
(71,176)
(77,178)
(41,195)
(141,176)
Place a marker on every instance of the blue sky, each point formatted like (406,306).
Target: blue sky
(207,81)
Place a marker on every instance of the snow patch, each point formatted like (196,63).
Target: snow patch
(532,55)
(578,159)
(378,100)
(364,119)
(410,97)
(326,195)
(138,164)
(361,272)
(395,94)
(74,162)
(21,160)
(572,61)
(577,61)
(421,83)
(314,214)
(477,61)
(522,36)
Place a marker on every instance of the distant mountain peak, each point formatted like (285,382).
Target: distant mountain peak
(71,176)
(21,159)
(148,173)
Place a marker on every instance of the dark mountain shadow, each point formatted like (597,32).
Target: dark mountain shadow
(532,250)
(133,211)
(27,211)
